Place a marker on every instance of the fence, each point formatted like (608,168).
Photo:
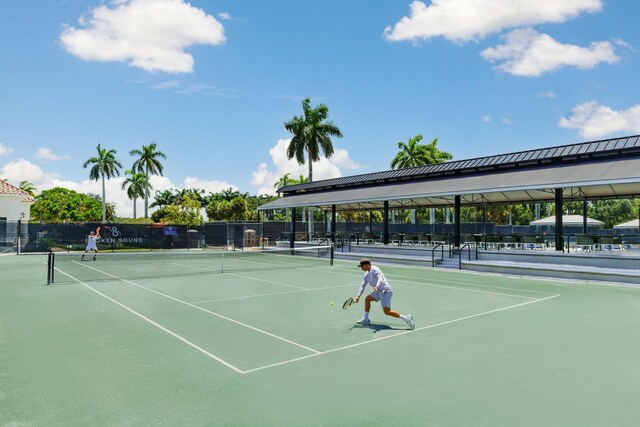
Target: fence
(41,237)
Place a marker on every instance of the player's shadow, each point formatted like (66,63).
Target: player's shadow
(374,327)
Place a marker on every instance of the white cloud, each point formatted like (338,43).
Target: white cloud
(264,179)
(594,120)
(5,150)
(529,53)
(506,121)
(547,95)
(625,45)
(486,119)
(48,155)
(147,34)
(466,20)
(21,170)
(225,16)
(170,84)
(214,186)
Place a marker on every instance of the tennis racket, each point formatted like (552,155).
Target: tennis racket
(348,303)
(98,230)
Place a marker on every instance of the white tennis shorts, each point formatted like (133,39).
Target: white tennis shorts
(384,297)
(91,246)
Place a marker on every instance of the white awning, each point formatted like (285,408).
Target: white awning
(592,180)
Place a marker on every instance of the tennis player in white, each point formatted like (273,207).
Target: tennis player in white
(382,292)
(91,244)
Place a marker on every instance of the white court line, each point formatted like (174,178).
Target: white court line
(267,281)
(157,325)
(245,277)
(450,287)
(484,274)
(207,311)
(248,371)
(269,294)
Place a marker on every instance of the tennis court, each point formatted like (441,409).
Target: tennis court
(109,344)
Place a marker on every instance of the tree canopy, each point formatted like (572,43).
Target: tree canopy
(61,204)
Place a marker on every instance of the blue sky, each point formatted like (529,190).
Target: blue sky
(212,82)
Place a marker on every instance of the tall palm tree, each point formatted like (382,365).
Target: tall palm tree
(149,163)
(311,133)
(413,154)
(410,154)
(105,165)
(28,187)
(135,184)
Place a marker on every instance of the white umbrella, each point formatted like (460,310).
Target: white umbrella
(634,223)
(567,220)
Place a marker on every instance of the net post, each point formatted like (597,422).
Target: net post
(49,268)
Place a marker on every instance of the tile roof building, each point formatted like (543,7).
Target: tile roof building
(15,203)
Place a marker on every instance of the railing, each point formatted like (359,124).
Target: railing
(433,251)
(460,249)
(569,243)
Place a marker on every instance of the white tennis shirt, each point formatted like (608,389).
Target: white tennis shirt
(374,277)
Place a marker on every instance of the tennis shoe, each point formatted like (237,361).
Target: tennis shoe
(363,321)
(410,321)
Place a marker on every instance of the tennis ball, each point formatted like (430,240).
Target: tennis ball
(331,303)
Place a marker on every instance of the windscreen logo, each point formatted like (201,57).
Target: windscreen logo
(117,237)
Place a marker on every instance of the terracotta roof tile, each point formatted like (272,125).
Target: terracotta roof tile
(6,188)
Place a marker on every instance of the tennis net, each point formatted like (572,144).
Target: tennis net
(72,266)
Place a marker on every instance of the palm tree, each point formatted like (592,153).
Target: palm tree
(413,154)
(162,198)
(284,181)
(311,132)
(104,165)
(436,156)
(28,187)
(229,194)
(136,185)
(149,164)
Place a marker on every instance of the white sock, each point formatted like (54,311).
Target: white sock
(403,317)
(366,315)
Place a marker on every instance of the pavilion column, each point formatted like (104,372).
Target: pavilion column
(456,219)
(385,223)
(584,216)
(333,223)
(325,221)
(292,238)
(559,213)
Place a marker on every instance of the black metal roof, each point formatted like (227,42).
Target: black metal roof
(560,154)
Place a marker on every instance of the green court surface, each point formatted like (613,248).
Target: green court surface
(266,348)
